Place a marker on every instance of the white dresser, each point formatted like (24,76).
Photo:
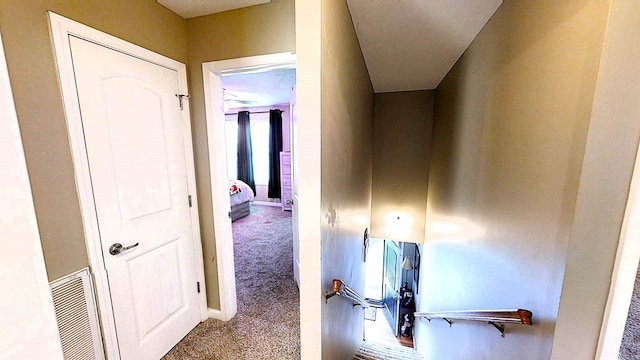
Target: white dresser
(285,180)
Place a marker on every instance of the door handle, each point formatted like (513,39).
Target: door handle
(289,202)
(117,248)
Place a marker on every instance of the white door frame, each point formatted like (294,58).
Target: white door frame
(212,73)
(624,273)
(61,29)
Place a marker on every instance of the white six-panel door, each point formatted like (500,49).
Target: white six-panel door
(136,154)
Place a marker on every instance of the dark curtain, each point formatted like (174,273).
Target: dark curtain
(245,154)
(275,147)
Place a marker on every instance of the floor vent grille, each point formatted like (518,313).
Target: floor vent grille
(75,309)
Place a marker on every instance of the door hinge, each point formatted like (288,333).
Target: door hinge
(198,283)
(190,202)
(180,97)
(229,214)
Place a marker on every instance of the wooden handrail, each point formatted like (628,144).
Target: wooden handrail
(496,318)
(518,316)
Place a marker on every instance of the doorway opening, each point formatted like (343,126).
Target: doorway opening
(218,76)
(392,276)
(250,250)
(254,242)
(258,122)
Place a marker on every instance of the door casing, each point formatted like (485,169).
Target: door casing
(295,156)
(61,29)
(624,274)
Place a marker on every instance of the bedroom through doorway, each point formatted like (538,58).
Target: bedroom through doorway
(258,144)
(257,125)
(245,82)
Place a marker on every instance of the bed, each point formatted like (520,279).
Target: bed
(241,196)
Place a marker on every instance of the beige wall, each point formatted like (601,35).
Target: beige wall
(251,31)
(401,144)
(256,30)
(611,148)
(25,30)
(510,127)
(346,133)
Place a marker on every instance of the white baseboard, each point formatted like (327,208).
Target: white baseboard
(267,203)
(215,314)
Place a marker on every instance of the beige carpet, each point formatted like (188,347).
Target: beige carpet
(630,347)
(267,324)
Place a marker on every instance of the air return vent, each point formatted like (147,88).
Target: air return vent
(75,308)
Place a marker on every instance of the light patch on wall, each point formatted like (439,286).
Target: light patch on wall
(399,225)
(361,221)
(448,228)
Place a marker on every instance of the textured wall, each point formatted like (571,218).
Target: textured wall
(256,30)
(25,31)
(347,130)
(510,127)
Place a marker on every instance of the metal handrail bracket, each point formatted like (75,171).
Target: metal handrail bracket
(495,318)
(340,289)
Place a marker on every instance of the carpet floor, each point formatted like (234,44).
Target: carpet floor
(267,323)
(630,347)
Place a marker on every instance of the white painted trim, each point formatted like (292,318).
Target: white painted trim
(216,314)
(252,64)
(308,15)
(220,197)
(61,29)
(214,112)
(624,274)
(191,184)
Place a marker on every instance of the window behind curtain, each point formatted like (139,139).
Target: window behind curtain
(259,141)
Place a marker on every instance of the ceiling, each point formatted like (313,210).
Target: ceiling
(407,44)
(192,8)
(412,44)
(258,89)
